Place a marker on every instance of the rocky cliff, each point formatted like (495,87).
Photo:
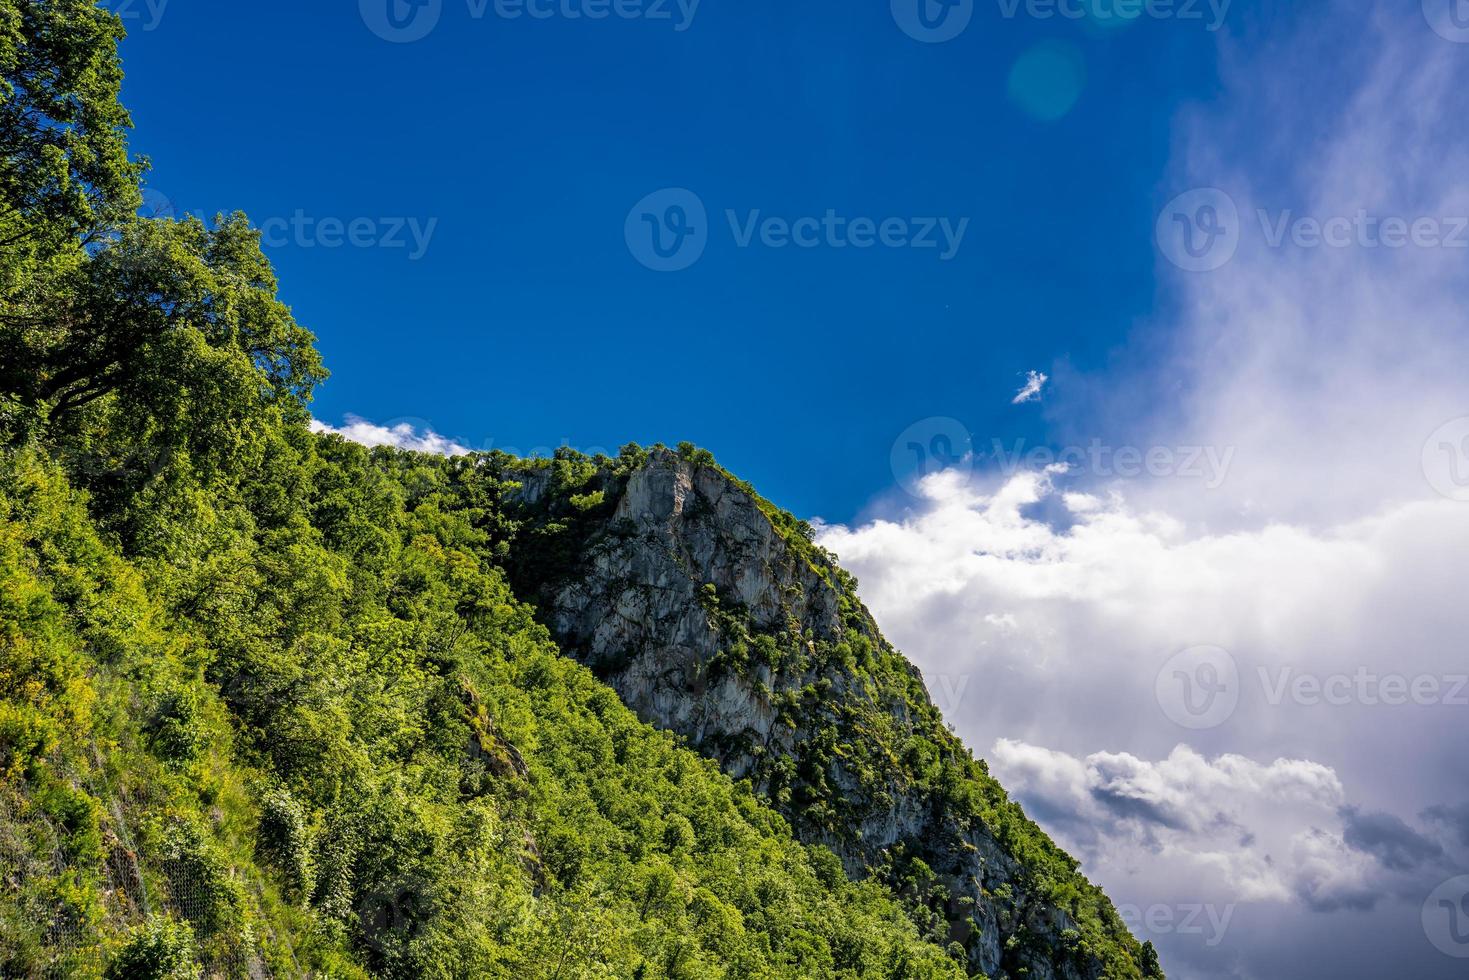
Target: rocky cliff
(715,617)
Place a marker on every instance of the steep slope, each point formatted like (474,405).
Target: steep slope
(305,730)
(270,708)
(715,617)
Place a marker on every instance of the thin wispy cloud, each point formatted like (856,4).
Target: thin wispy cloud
(1035,381)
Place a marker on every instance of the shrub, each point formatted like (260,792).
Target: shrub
(160,950)
(286,840)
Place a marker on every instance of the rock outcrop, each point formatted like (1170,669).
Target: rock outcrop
(715,617)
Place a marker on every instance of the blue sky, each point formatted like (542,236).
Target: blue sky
(1174,598)
(523,144)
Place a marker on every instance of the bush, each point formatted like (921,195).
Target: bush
(589,501)
(286,840)
(160,950)
(200,881)
(176,730)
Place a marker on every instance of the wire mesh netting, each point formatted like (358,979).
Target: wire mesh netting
(50,930)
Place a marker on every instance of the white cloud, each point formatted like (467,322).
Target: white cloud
(403,435)
(1054,634)
(1054,597)
(1034,382)
(1330,876)
(1244,832)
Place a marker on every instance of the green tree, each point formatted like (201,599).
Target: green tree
(66,176)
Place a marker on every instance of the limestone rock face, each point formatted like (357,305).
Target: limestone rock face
(678,590)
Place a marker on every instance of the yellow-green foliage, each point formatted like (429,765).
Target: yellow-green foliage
(267,704)
(292,758)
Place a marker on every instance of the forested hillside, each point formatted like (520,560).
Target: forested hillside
(270,702)
(714,615)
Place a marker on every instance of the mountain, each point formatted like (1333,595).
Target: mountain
(276,705)
(714,616)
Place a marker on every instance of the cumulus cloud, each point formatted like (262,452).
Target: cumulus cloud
(1054,600)
(1046,640)
(1238,830)
(402,435)
(1331,876)
(1034,383)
